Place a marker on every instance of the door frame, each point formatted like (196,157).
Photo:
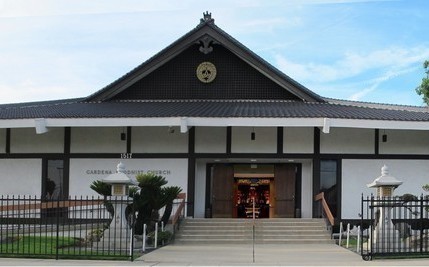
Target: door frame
(298,187)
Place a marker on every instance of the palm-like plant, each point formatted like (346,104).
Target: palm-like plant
(150,196)
(169,193)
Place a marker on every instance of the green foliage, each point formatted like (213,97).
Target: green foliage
(168,194)
(148,198)
(423,88)
(409,197)
(152,197)
(101,188)
(426,187)
(163,237)
(50,187)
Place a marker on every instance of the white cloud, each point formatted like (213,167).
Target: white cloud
(26,8)
(353,64)
(390,74)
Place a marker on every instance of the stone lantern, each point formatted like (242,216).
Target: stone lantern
(385,236)
(117,236)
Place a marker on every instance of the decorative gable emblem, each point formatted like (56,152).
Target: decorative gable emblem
(206,72)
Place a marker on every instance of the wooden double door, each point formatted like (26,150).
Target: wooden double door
(282,191)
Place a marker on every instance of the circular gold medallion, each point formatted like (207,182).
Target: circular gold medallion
(206,72)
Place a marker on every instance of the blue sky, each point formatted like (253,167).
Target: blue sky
(370,51)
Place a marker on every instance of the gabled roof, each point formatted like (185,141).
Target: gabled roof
(208,29)
(106,109)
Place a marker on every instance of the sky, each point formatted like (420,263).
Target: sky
(371,51)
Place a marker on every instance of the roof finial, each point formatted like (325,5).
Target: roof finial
(207,17)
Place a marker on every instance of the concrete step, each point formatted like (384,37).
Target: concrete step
(240,231)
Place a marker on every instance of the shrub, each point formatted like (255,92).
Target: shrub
(163,237)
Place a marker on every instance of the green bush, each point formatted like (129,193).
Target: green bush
(163,237)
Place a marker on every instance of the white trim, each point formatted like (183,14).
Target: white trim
(184,122)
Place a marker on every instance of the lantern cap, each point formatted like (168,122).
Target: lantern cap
(119,177)
(385,179)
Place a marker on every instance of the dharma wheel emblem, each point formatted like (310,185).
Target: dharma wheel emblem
(206,72)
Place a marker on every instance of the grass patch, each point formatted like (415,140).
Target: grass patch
(50,247)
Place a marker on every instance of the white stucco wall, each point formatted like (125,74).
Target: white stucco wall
(21,177)
(2,140)
(307,190)
(25,140)
(158,140)
(404,142)
(97,140)
(84,171)
(356,174)
(265,141)
(210,139)
(347,141)
(298,140)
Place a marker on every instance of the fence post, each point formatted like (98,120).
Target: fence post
(156,235)
(144,238)
(340,233)
(358,240)
(371,233)
(421,224)
(348,235)
(58,228)
(131,243)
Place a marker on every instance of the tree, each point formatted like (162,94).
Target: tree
(423,88)
(150,196)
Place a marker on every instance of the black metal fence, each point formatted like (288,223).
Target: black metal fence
(395,227)
(85,228)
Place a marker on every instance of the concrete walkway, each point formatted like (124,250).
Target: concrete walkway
(236,255)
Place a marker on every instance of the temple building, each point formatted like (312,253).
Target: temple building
(228,127)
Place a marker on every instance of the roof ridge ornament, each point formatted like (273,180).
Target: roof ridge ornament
(206,44)
(207,17)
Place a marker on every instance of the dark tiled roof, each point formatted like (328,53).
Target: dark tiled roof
(76,108)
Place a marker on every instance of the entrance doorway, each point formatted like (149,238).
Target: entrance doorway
(232,189)
(252,198)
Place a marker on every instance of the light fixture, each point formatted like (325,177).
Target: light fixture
(170,129)
(123,135)
(253,134)
(384,137)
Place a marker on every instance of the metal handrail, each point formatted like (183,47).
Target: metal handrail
(179,211)
(329,216)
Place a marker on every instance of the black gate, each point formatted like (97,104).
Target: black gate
(395,227)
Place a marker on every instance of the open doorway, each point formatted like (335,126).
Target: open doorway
(232,188)
(252,198)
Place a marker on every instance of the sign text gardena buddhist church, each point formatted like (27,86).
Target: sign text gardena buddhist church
(128,172)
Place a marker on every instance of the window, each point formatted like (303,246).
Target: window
(328,183)
(54,184)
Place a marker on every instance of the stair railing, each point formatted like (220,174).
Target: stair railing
(180,211)
(326,212)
